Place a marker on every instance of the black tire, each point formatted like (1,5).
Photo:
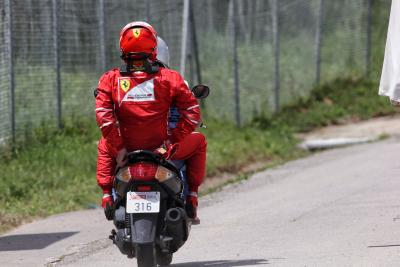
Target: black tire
(146,255)
(164,259)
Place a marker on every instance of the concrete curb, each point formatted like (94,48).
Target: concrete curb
(315,144)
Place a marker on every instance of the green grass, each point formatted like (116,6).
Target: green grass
(230,148)
(351,99)
(55,172)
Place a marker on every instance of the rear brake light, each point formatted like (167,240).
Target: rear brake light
(143,188)
(144,171)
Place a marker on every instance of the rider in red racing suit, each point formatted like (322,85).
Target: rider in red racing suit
(132,113)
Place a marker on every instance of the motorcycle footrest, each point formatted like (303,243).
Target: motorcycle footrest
(164,243)
(112,236)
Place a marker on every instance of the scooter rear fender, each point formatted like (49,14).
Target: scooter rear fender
(144,227)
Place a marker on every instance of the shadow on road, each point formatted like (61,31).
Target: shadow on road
(31,241)
(223,263)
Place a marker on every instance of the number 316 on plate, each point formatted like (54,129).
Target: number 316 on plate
(143,202)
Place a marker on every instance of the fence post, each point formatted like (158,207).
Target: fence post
(10,58)
(236,63)
(185,22)
(369,41)
(194,42)
(195,49)
(102,36)
(57,63)
(148,11)
(318,42)
(276,38)
(190,62)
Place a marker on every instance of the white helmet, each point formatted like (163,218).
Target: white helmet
(162,51)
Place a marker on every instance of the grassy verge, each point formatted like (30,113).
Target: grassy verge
(55,172)
(340,101)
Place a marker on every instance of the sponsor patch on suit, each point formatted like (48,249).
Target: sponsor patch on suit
(141,92)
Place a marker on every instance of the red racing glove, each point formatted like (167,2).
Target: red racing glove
(107,204)
(107,199)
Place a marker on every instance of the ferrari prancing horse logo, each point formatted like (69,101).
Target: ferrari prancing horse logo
(136,32)
(125,84)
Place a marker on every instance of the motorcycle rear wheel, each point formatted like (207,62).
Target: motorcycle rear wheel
(146,255)
(164,259)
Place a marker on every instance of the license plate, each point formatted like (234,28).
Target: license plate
(143,202)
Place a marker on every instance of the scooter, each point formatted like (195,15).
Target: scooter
(149,208)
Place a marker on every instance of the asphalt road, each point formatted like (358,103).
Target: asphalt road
(335,208)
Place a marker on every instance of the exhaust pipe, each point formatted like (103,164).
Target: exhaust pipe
(175,215)
(177,227)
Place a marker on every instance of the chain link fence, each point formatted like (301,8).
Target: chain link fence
(256,55)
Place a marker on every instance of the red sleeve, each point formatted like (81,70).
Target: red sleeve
(188,108)
(105,114)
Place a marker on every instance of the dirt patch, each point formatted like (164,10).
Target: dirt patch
(9,221)
(373,128)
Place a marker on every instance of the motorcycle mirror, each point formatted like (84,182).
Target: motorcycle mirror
(201,91)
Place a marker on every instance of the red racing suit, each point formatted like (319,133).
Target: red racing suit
(132,113)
